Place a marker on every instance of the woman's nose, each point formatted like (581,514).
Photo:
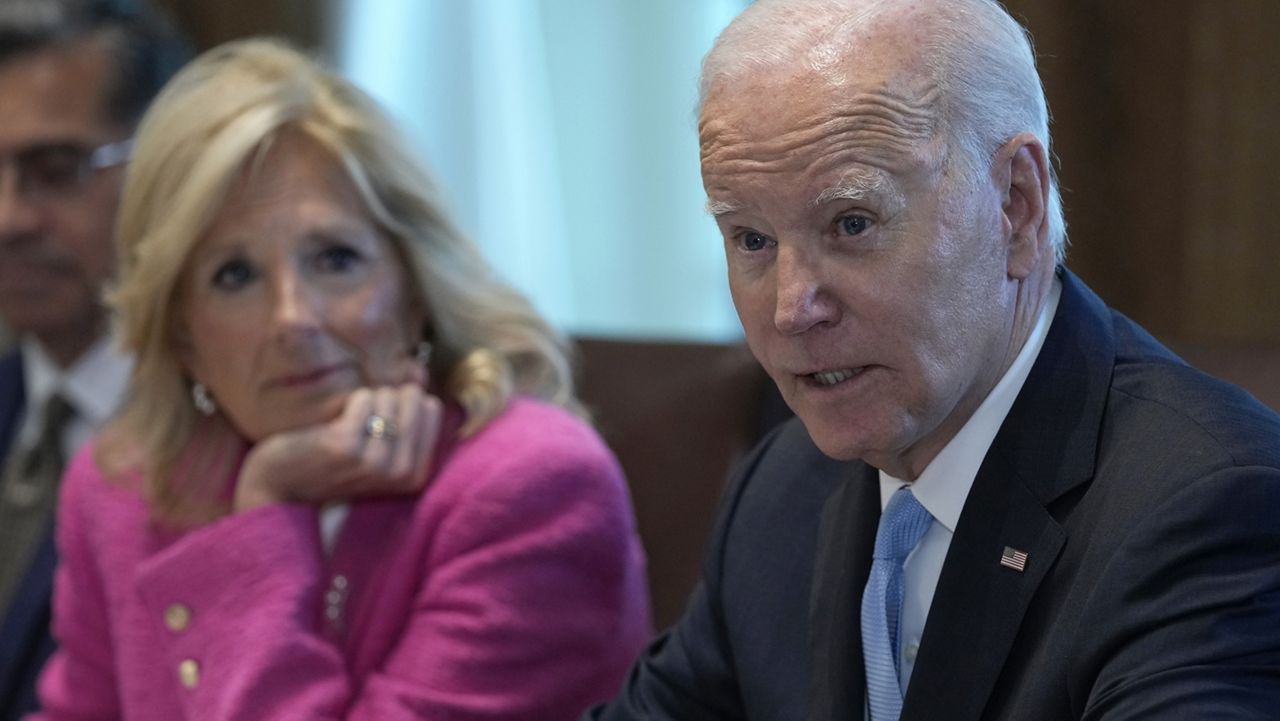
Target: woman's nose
(297,306)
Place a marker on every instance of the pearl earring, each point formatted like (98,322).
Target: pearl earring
(422,356)
(201,399)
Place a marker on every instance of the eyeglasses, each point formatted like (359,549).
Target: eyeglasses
(59,170)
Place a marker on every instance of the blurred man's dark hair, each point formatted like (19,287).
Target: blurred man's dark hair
(145,44)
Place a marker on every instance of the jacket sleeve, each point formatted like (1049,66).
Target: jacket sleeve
(531,602)
(1191,606)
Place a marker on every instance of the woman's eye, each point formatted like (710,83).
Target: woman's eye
(853,224)
(752,241)
(337,258)
(232,275)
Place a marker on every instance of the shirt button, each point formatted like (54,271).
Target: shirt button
(913,648)
(189,673)
(177,617)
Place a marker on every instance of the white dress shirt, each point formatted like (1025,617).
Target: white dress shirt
(332,519)
(94,386)
(944,485)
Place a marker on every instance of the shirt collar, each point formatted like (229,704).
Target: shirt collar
(94,385)
(944,484)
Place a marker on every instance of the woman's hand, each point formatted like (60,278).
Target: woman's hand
(353,455)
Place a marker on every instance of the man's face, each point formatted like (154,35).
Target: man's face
(871,281)
(55,236)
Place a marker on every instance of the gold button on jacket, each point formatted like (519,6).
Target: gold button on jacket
(189,673)
(177,617)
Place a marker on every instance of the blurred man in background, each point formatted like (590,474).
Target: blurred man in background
(75,76)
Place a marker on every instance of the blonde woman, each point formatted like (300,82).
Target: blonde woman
(316,345)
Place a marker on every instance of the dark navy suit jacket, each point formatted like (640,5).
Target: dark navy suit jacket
(1145,494)
(25,642)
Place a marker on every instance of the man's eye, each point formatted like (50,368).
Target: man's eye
(752,241)
(853,224)
(53,169)
(337,258)
(232,275)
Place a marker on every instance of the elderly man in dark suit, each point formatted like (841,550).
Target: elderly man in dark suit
(1000,499)
(75,75)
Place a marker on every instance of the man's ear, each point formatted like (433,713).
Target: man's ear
(1021,172)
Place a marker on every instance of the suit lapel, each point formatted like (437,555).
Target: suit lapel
(979,603)
(1045,448)
(846,539)
(13,620)
(12,397)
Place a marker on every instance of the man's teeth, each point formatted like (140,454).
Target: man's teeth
(830,378)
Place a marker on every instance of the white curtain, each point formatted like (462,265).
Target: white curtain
(564,136)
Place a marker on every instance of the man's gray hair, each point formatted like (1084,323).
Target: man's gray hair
(979,56)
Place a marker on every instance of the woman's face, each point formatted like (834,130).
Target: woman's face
(294,298)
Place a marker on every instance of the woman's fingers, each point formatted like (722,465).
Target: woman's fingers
(381,444)
(408,452)
(381,428)
(428,413)
(400,431)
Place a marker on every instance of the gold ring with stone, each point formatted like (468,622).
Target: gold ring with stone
(379,427)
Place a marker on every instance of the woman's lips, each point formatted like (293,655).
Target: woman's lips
(304,378)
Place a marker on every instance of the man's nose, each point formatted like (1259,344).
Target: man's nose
(803,298)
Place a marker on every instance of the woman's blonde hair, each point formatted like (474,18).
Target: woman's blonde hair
(212,121)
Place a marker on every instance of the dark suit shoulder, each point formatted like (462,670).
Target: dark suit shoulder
(785,479)
(1192,416)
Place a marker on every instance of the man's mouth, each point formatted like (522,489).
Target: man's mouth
(831,378)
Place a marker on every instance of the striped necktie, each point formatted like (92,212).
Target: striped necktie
(28,493)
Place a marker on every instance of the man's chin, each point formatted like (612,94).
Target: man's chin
(845,441)
(836,444)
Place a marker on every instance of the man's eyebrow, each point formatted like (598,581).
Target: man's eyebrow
(857,185)
(861,185)
(718,208)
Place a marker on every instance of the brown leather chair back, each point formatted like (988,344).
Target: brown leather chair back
(678,415)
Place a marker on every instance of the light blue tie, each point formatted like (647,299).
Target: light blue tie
(902,524)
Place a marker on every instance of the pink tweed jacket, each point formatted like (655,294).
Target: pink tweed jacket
(512,588)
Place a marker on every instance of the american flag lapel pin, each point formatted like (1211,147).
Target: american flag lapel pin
(1013,558)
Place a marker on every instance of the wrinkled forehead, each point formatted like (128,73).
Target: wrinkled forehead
(866,83)
(803,119)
